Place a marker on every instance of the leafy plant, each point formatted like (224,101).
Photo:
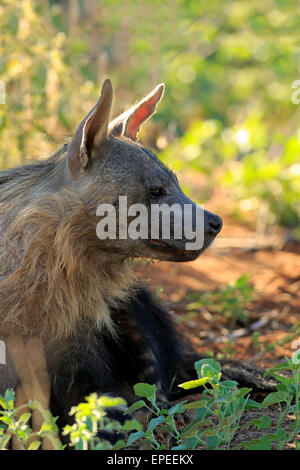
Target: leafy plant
(214,419)
(219,411)
(230,302)
(14,424)
(287,398)
(92,420)
(163,420)
(216,415)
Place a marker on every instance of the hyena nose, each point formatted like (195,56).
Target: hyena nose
(214,225)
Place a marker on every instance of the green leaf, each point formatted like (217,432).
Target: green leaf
(166,428)
(24,418)
(34,445)
(135,406)
(276,368)
(45,428)
(192,429)
(212,442)
(284,380)
(131,425)
(243,391)
(154,423)
(6,420)
(178,408)
(212,431)
(278,436)
(109,402)
(263,422)
(191,442)
(146,391)
(207,368)
(134,437)
(119,445)
(9,394)
(252,404)
(4,441)
(275,397)
(194,383)
(208,371)
(3,403)
(296,357)
(262,443)
(179,447)
(230,383)
(195,405)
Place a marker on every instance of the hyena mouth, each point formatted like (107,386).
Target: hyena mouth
(157,243)
(165,247)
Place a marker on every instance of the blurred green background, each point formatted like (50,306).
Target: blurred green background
(228,67)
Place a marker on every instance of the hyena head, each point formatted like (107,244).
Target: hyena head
(104,161)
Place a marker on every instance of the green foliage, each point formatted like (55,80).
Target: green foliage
(230,302)
(216,415)
(146,391)
(287,393)
(214,423)
(90,417)
(219,411)
(15,424)
(266,347)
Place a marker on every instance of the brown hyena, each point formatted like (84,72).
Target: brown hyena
(68,293)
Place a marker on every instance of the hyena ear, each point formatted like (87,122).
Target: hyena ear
(91,131)
(128,123)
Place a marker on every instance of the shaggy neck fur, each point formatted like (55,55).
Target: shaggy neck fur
(54,279)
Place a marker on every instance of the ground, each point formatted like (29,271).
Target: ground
(273,266)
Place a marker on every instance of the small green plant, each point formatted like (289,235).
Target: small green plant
(15,424)
(214,418)
(163,420)
(230,302)
(293,334)
(91,417)
(159,291)
(255,340)
(216,415)
(228,350)
(261,346)
(287,399)
(219,411)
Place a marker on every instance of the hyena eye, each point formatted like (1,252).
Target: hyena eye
(155,193)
